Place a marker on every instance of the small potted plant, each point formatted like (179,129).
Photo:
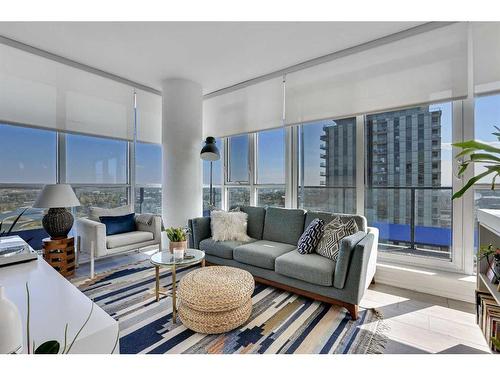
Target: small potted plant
(177,238)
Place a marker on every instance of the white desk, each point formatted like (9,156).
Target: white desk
(54,301)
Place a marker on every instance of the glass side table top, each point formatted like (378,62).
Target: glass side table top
(165,258)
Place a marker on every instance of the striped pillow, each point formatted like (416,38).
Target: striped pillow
(311,236)
(335,231)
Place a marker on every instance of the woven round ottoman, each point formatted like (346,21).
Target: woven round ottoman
(215,299)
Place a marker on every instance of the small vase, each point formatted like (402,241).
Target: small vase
(177,245)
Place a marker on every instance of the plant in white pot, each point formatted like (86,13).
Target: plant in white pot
(177,238)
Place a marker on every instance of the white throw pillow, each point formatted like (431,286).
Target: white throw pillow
(229,226)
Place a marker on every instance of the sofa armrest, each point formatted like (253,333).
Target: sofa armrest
(154,227)
(199,229)
(347,246)
(362,267)
(91,231)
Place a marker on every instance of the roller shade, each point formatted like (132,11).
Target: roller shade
(486,52)
(41,92)
(427,67)
(148,116)
(253,108)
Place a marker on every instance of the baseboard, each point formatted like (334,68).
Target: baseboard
(440,283)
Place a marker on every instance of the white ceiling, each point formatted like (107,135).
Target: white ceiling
(214,54)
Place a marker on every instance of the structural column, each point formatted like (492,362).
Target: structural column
(181,140)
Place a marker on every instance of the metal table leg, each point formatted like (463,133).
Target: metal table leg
(174,296)
(157,288)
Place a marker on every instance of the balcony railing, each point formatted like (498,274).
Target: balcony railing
(417,229)
(407,225)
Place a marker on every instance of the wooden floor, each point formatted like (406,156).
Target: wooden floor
(417,322)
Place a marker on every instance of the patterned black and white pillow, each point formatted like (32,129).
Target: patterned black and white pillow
(329,245)
(311,236)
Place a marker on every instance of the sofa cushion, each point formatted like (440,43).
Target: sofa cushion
(311,236)
(311,268)
(283,225)
(256,216)
(261,253)
(129,238)
(327,217)
(221,249)
(95,212)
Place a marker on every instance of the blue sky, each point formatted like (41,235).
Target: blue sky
(29,155)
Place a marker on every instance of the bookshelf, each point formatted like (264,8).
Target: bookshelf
(489,232)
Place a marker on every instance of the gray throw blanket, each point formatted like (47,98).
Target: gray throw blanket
(146,219)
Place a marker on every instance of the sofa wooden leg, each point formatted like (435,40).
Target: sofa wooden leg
(373,281)
(354,311)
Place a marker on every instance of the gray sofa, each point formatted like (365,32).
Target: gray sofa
(272,257)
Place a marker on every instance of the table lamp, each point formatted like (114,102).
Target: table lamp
(58,220)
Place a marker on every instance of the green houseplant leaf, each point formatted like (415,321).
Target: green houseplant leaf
(478,152)
(176,234)
(48,347)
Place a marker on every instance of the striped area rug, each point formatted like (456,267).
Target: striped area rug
(281,322)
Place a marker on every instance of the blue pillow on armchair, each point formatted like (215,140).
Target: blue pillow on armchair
(118,224)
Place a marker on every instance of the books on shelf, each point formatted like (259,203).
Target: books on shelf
(488,318)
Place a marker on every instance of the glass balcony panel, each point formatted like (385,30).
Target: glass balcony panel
(206,199)
(272,197)
(329,199)
(238,196)
(95,196)
(12,202)
(148,200)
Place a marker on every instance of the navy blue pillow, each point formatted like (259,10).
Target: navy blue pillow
(311,236)
(118,224)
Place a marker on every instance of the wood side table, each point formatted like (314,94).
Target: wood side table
(60,254)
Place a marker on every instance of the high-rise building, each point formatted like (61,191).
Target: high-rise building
(403,166)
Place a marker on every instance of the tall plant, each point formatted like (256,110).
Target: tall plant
(478,152)
(7,232)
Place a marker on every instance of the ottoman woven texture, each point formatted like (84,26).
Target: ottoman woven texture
(215,299)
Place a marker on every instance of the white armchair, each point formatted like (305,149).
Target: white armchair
(92,239)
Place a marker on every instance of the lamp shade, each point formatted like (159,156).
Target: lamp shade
(56,196)
(210,151)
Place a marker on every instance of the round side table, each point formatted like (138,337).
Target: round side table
(166,259)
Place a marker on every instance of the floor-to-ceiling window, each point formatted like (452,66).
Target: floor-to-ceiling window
(148,162)
(270,168)
(327,154)
(409,180)
(28,160)
(97,169)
